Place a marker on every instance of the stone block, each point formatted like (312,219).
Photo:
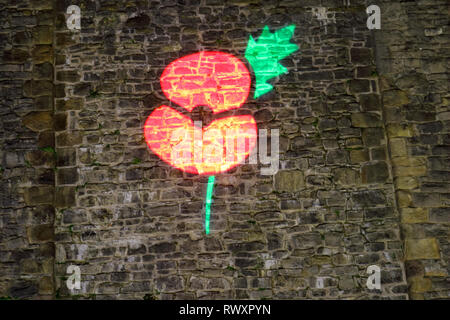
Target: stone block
(366,120)
(395,98)
(43,71)
(65,39)
(38,121)
(69,139)
(422,199)
(38,195)
(414,215)
(378,153)
(46,285)
(12,159)
(139,22)
(409,161)
(46,139)
(346,177)
(419,284)
(337,157)
(35,88)
(16,56)
(373,137)
(68,76)
(346,283)
(29,266)
(440,215)
(40,158)
(359,86)
(42,53)
(42,4)
(60,122)
(69,104)
(23,289)
(65,197)
(361,55)
(375,173)
(418,249)
(398,147)
(289,181)
(407,183)
(40,233)
(43,103)
(370,102)
(395,130)
(404,198)
(359,156)
(67,176)
(417,171)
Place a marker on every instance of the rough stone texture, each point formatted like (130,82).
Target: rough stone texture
(363,121)
(26,153)
(415,93)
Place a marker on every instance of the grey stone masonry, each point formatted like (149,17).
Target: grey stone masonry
(364,153)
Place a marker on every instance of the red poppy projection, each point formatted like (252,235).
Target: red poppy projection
(209,78)
(222,82)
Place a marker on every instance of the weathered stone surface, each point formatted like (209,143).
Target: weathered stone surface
(440,215)
(359,86)
(395,98)
(65,197)
(289,181)
(34,88)
(38,195)
(358,156)
(38,121)
(420,285)
(60,122)
(370,102)
(43,71)
(414,215)
(42,53)
(365,120)
(361,55)
(404,198)
(69,104)
(46,139)
(399,130)
(406,183)
(67,176)
(138,22)
(16,56)
(68,76)
(40,158)
(421,249)
(69,139)
(375,173)
(136,224)
(40,233)
(43,35)
(346,177)
(46,286)
(23,290)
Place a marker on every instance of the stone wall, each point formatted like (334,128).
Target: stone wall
(412,59)
(363,155)
(27,150)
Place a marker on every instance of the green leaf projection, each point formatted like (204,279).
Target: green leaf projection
(264,56)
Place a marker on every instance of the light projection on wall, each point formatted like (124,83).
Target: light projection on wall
(265,54)
(208,78)
(222,82)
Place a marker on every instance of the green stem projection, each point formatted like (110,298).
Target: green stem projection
(264,56)
(208,202)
